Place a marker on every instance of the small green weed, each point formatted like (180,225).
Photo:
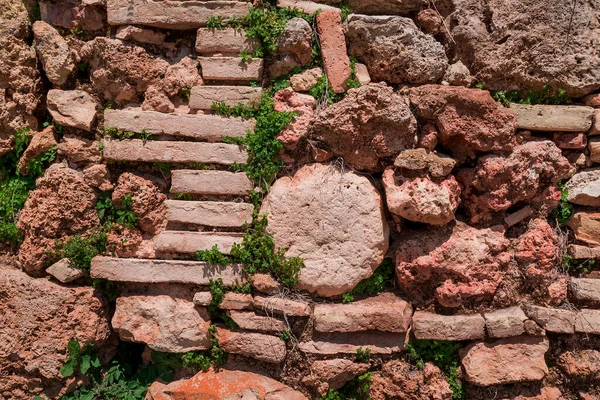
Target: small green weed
(352,82)
(345,10)
(184,94)
(145,136)
(323,92)
(85,360)
(80,250)
(107,212)
(285,335)
(564,210)
(216,23)
(356,389)
(382,277)
(573,266)
(165,168)
(363,356)
(546,96)
(442,354)
(212,256)
(245,56)
(37,166)
(117,133)
(77,30)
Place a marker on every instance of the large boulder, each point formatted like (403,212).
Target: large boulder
(401,380)
(334,220)
(456,262)
(469,121)
(498,182)
(120,71)
(147,202)
(61,205)
(224,384)
(509,44)
(395,50)
(518,359)
(370,123)
(38,320)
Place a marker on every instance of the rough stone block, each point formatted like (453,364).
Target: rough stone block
(504,323)
(259,346)
(209,213)
(579,252)
(588,321)
(585,289)
(202,97)
(228,40)
(347,343)
(281,306)
(333,47)
(231,69)
(249,320)
(191,242)
(552,319)
(448,327)
(210,182)
(553,118)
(236,301)
(64,272)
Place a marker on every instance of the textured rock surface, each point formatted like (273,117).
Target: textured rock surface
(74,108)
(54,53)
(332,219)
(231,69)
(147,201)
(332,374)
(306,80)
(584,364)
(282,306)
(498,182)
(585,289)
(370,123)
(224,384)
(536,251)
(119,70)
(429,326)
(456,262)
(469,121)
(135,34)
(401,380)
(420,199)
(294,47)
(395,50)
(262,347)
(79,150)
(61,205)
(40,143)
(552,319)
(423,161)
(553,118)
(519,359)
(586,226)
(507,322)
(584,188)
(249,320)
(385,312)
(491,38)
(64,272)
(286,100)
(38,320)
(227,40)
(162,322)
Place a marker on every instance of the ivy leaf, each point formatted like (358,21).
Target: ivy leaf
(74,348)
(95,362)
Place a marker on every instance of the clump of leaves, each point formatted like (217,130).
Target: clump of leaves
(85,360)
(382,277)
(441,353)
(245,56)
(216,22)
(37,165)
(564,210)
(107,212)
(323,92)
(352,82)
(285,335)
(363,356)
(81,249)
(573,266)
(345,10)
(239,110)
(117,133)
(212,256)
(355,389)
(184,94)
(545,96)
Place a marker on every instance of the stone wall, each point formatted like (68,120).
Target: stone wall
(438,183)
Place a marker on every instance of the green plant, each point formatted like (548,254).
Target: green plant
(164,167)
(563,210)
(77,30)
(382,277)
(117,133)
(216,22)
(345,10)
(545,96)
(245,56)
(37,165)
(363,356)
(84,360)
(571,265)
(185,94)
(107,212)
(323,92)
(145,136)
(285,335)
(212,256)
(441,353)
(355,389)
(352,82)
(239,110)
(80,250)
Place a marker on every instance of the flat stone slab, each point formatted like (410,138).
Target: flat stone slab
(579,252)
(188,14)
(506,322)
(202,97)
(191,242)
(585,289)
(227,40)
(518,359)
(553,319)
(385,312)
(163,271)
(333,46)
(210,182)
(309,7)
(135,150)
(588,321)
(431,326)
(251,321)
(348,343)
(553,118)
(259,346)
(212,128)
(282,306)
(231,69)
(209,213)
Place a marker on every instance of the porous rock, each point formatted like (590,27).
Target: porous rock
(39,318)
(536,250)
(422,161)
(340,245)
(370,123)
(420,199)
(80,150)
(469,121)
(162,322)
(224,384)
(395,50)
(61,205)
(401,380)
(497,182)
(147,202)
(456,262)
(54,53)
(74,108)
(518,359)
(582,364)
(332,374)
(294,47)
(286,100)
